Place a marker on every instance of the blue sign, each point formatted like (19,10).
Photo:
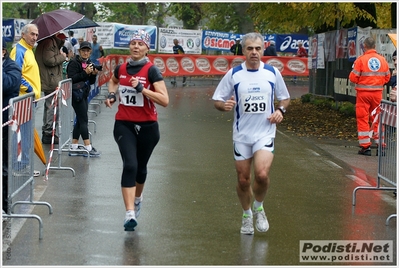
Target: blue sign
(222,41)
(8,30)
(288,43)
(123,34)
(352,35)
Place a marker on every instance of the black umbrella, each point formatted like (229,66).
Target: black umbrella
(83,23)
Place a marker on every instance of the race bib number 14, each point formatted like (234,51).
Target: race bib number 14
(130,97)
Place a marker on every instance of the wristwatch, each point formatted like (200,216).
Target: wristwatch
(282,109)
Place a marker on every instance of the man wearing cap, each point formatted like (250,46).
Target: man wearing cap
(22,54)
(270,50)
(236,49)
(50,58)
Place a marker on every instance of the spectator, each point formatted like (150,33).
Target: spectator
(392,81)
(71,39)
(236,49)
(254,129)
(136,129)
(50,59)
(10,89)
(97,51)
(178,49)
(370,73)
(301,52)
(22,54)
(271,49)
(83,74)
(77,46)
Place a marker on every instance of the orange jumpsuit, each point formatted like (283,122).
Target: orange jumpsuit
(370,73)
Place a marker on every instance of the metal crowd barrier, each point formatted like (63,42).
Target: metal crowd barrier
(387,151)
(63,103)
(21,156)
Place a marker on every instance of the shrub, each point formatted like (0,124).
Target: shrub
(347,108)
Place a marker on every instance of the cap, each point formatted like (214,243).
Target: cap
(272,42)
(4,43)
(61,35)
(85,44)
(142,36)
(238,39)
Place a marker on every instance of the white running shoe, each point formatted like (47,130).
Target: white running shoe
(137,209)
(262,225)
(247,225)
(130,222)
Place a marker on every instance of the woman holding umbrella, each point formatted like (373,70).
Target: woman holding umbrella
(83,74)
(139,85)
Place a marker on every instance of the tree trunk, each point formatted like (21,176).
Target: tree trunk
(393,15)
(246,25)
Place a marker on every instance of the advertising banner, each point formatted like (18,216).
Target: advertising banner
(8,30)
(288,43)
(312,53)
(202,65)
(123,33)
(222,41)
(352,34)
(384,44)
(105,34)
(362,33)
(190,40)
(12,29)
(341,44)
(320,51)
(329,45)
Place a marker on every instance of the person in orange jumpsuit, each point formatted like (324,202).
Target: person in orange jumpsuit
(370,73)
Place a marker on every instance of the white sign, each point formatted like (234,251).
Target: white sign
(190,40)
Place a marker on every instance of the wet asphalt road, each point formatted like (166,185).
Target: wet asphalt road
(190,213)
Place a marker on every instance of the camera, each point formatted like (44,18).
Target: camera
(97,67)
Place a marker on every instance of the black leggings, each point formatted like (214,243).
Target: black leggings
(136,141)
(82,119)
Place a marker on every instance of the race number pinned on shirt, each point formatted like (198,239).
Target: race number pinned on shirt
(254,103)
(130,97)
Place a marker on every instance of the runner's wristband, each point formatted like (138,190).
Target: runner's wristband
(111,96)
(139,87)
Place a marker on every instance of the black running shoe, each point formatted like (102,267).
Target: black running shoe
(365,151)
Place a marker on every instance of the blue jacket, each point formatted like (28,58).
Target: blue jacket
(392,81)
(270,51)
(11,83)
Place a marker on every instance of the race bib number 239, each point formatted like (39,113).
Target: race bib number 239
(254,103)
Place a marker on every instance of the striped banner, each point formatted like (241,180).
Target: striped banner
(388,114)
(22,113)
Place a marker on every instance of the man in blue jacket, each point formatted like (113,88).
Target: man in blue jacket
(270,50)
(10,86)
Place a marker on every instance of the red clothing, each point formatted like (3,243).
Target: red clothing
(301,52)
(133,113)
(370,73)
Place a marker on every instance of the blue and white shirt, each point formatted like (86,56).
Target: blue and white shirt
(254,92)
